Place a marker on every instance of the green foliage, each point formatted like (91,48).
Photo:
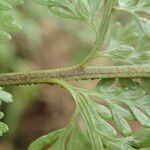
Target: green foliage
(76,9)
(129,101)
(83,10)
(135,7)
(57,139)
(6,97)
(112,101)
(7,22)
(127,46)
(10,61)
(7,25)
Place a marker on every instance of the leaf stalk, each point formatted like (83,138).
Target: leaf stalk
(43,77)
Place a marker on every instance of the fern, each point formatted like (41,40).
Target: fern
(7,25)
(134,8)
(127,102)
(125,46)
(126,99)
(80,10)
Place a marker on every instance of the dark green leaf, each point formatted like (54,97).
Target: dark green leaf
(104,83)
(146,84)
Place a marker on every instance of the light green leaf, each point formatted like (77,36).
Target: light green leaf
(134,7)
(121,47)
(129,93)
(4,5)
(45,140)
(121,123)
(15,2)
(145,101)
(127,3)
(78,141)
(105,90)
(146,109)
(7,20)
(77,9)
(124,112)
(4,36)
(120,53)
(5,96)
(130,90)
(59,144)
(3,128)
(105,127)
(140,116)
(123,34)
(103,111)
(118,146)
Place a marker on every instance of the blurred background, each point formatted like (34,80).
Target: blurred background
(46,42)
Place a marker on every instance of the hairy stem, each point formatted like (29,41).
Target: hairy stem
(41,77)
(108,7)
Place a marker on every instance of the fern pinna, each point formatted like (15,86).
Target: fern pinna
(124,87)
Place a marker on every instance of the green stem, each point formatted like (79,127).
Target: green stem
(42,77)
(81,102)
(95,139)
(108,6)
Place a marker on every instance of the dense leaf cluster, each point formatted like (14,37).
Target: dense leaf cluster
(127,45)
(121,100)
(124,103)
